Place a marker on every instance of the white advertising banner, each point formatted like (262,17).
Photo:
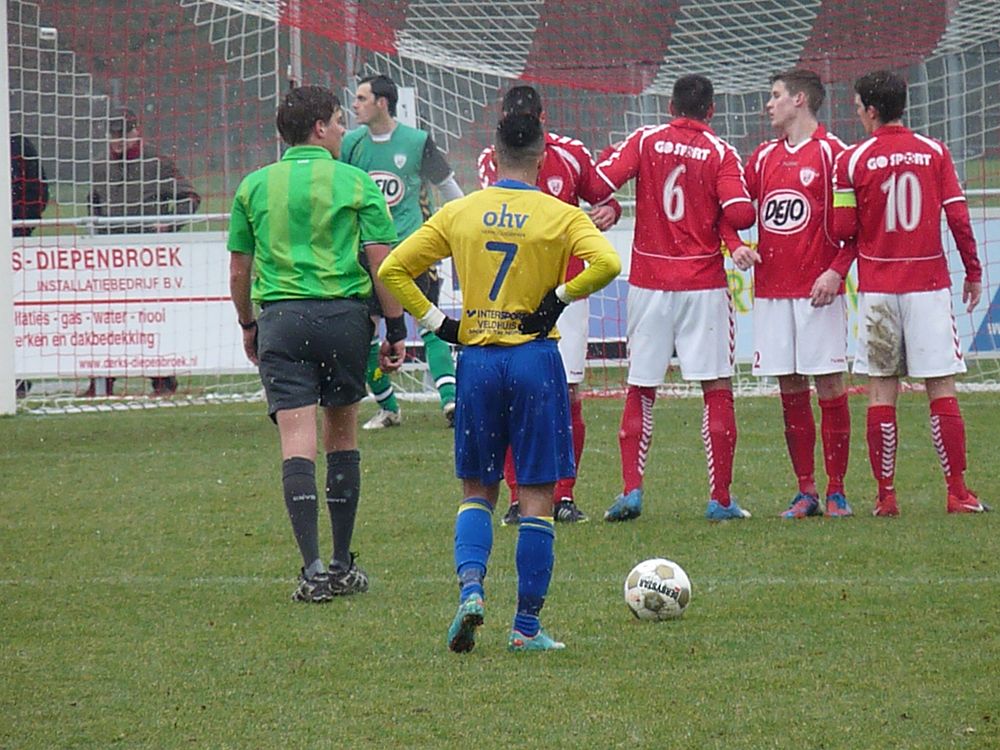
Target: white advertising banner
(977,330)
(124,304)
(159,304)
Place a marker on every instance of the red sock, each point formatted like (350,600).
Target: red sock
(509,475)
(564,487)
(800,436)
(882,440)
(836,430)
(718,431)
(636,434)
(948,433)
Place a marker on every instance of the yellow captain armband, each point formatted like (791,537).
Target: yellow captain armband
(844,199)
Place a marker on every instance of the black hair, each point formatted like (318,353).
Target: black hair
(383,87)
(803,81)
(885,91)
(301,109)
(693,96)
(520,139)
(522,99)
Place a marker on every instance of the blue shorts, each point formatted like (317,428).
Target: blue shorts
(517,396)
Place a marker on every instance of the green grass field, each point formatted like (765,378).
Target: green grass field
(146,566)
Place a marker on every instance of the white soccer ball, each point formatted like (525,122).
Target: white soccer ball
(657,589)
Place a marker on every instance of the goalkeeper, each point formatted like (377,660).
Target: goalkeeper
(511,245)
(401,160)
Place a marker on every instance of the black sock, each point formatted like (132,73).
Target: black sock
(298,478)
(343,489)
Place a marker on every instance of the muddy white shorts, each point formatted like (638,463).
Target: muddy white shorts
(908,334)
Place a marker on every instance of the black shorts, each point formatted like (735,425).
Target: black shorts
(313,351)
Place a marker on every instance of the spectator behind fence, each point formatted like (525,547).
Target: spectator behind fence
(136,182)
(29,195)
(28,188)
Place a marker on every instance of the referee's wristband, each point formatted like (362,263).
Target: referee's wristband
(247,326)
(395,329)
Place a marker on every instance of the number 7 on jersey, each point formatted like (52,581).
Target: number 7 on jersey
(509,250)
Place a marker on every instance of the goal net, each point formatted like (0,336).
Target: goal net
(97,298)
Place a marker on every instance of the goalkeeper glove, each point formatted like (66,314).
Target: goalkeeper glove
(448,331)
(542,320)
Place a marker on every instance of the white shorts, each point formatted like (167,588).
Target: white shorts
(908,334)
(699,326)
(572,325)
(791,337)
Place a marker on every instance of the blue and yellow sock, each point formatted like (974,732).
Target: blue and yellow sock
(535,556)
(473,544)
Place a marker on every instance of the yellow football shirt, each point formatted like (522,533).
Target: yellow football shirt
(511,244)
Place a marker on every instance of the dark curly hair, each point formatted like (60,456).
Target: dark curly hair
(301,109)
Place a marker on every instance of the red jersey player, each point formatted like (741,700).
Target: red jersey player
(800,315)
(890,190)
(687,180)
(568,174)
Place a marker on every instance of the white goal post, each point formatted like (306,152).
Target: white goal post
(7,389)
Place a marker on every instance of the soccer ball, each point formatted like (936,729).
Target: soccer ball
(657,589)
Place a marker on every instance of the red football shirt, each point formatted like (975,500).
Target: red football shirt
(567,173)
(685,177)
(793,187)
(901,181)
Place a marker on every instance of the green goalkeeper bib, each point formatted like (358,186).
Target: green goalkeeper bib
(395,166)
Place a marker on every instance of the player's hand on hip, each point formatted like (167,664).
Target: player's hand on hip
(391,356)
(972,291)
(603,216)
(825,288)
(543,319)
(745,257)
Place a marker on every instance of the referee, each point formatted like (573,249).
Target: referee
(296,230)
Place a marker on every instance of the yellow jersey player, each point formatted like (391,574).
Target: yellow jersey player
(510,244)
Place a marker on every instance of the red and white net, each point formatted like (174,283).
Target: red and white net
(203,78)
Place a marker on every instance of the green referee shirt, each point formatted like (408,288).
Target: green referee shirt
(305,219)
